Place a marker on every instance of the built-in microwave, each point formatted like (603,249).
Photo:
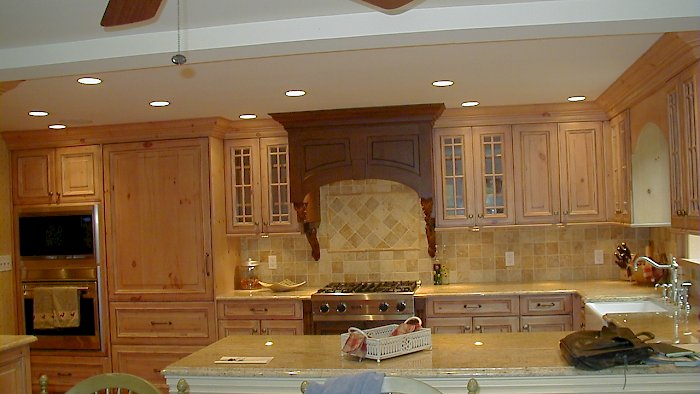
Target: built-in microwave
(58,233)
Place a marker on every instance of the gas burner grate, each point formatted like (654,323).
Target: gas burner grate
(370,287)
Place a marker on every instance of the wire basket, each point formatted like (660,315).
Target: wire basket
(382,345)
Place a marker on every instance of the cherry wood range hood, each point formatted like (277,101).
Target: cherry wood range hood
(391,143)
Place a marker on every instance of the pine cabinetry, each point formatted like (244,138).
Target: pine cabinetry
(621,169)
(264,317)
(15,375)
(64,372)
(257,187)
(682,108)
(53,176)
(148,362)
(558,172)
(475,172)
(158,221)
(484,314)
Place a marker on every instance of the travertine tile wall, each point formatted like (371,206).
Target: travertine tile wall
(374,230)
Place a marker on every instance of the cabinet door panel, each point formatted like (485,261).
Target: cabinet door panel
(581,171)
(546,323)
(238,327)
(454,172)
(691,162)
(493,179)
(148,361)
(66,372)
(79,173)
(33,176)
(158,221)
(243,192)
(496,324)
(535,151)
(449,325)
(282,327)
(278,214)
(621,175)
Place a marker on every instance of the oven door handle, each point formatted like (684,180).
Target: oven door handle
(28,293)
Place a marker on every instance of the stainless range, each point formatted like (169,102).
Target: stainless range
(341,305)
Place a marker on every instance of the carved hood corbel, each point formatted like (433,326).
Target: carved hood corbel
(392,143)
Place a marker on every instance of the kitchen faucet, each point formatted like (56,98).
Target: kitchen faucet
(673,267)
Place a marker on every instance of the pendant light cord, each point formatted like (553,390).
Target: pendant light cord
(178,26)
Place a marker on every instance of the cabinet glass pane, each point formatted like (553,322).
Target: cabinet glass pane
(243,186)
(278,184)
(675,152)
(453,178)
(691,146)
(493,176)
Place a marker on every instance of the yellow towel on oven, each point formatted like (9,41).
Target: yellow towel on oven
(56,307)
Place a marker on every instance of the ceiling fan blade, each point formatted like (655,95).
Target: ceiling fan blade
(123,12)
(388,4)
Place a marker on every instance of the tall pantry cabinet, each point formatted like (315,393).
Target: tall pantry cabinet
(159,252)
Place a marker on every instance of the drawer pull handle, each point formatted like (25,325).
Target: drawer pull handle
(64,374)
(545,305)
(161,323)
(470,306)
(258,310)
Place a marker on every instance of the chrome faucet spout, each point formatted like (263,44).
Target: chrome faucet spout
(673,267)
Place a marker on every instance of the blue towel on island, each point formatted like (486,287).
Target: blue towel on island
(361,383)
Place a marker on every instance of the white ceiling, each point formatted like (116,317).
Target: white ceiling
(243,54)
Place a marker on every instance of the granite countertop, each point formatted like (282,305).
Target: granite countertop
(509,354)
(9,342)
(599,289)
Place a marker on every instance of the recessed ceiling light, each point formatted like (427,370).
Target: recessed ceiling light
(576,98)
(159,103)
(38,113)
(294,93)
(443,83)
(57,126)
(470,104)
(248,116)
(89,81)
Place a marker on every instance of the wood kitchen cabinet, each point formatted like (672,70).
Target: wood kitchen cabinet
(502,313)
(681,96)
(260,317)
(559,172)
(54,176)
(621,167)
(148,362)
(15,375)
(257,187)
(474,169)
(64,372)
(158,221)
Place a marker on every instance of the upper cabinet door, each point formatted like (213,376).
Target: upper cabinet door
(535,150)
(158,221)
(257,189)
(581,172)
(454,172)
(493,176)
(53,176)
(620,169)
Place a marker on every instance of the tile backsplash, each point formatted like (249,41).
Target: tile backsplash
(374,230)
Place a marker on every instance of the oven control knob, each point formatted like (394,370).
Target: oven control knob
(401,306)
(383,307)
(325,308)
(341,308)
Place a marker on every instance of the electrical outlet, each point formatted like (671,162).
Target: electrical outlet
(598,256)
(5,263)
(272,262)
(510,259)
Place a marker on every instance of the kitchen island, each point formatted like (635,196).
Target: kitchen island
(500,363)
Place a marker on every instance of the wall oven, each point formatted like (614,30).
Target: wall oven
(58,247)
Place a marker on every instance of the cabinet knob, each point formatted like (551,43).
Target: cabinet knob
(471,215)
(566,212)
(254,330)
(467,329)
(526,327)
(480,216)
(556,213)
(479,329)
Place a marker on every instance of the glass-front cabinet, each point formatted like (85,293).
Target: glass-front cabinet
(475,176)
(257,190)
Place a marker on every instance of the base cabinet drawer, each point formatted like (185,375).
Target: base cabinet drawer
(145,323)
(449,325)
(489,324)
(63,372)
(148,362)
(557,304)
(260,327)
(473,306)
(291,309)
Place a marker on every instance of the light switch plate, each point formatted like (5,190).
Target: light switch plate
(598,256)
(5,263)
(510,259)
(272,262)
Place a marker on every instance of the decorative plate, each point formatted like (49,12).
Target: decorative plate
(284,285)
